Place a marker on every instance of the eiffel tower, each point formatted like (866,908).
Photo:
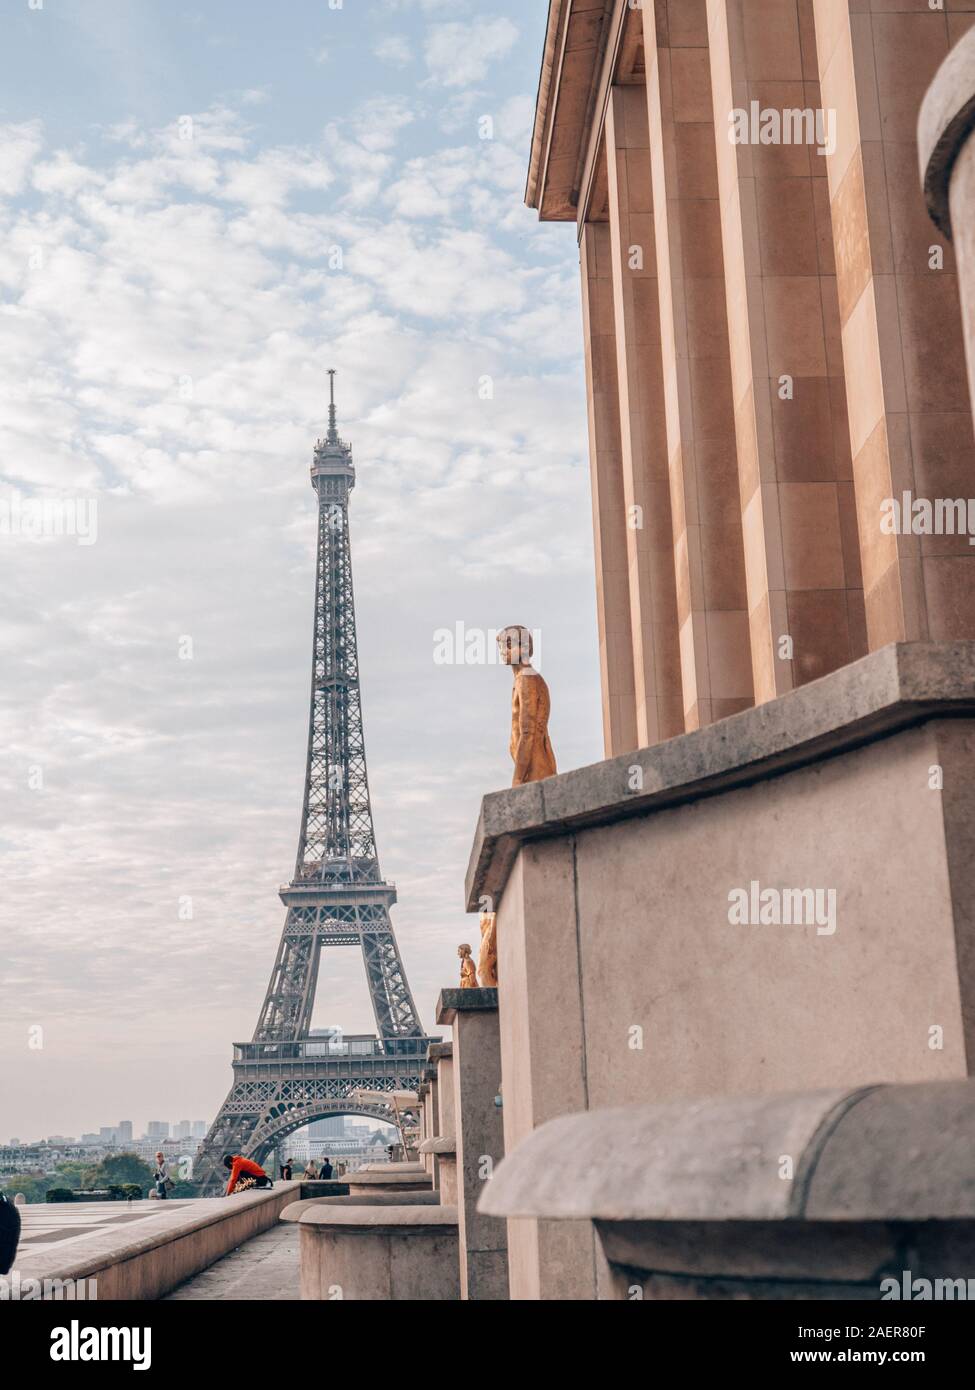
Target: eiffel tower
(286,1077)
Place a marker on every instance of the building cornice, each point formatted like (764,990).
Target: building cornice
(576,36)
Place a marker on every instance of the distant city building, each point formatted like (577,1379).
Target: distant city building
(157,1129)
(332,1128)
(125,1131)
(182,1129)
(199,1129)
(26,1159)
(108,1134)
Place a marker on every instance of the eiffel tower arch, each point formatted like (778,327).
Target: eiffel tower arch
(286,1077)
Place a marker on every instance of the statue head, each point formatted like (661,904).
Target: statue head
(515,645)
(463,951)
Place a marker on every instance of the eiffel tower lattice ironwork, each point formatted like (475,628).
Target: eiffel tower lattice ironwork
(286,1077)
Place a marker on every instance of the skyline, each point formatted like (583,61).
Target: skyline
(166,355)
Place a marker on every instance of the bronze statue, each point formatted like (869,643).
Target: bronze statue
(468,975)
(530,748)
(487,962)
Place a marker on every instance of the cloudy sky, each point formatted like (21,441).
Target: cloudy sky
(203,207)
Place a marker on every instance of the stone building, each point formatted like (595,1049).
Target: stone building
(737,958)
(772,338)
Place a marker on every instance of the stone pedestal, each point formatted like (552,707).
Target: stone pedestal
(627,972)
(385,1253)
(473,1016)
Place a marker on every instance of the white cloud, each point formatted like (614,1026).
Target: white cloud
(460,53)
(166,356)
(394,49)
(19,147)
(378,123)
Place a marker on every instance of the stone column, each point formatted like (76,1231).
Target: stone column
(910,416)
(429,1114)
(708,553)
(483,1241)
(441,1055)
(646,484)
(608,504)
(798,515)
(947,154)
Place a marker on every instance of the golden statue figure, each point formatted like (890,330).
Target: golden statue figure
(468,975)
(487,961)
(531,751)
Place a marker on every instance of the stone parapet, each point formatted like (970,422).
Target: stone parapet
(885,693)
(824,1195)
(146,1258)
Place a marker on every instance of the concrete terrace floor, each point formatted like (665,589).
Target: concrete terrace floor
(265,1268)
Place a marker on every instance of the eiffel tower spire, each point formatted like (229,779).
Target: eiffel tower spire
(333,434)
(337,896)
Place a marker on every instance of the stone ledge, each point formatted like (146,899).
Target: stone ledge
(890,690)
(376,1199)
(443,1144)
(465,1001)
(406,1166)
(413,1179)
(379,1219)
(877,1154)
(437,1052)
(147,1260)
(945,123)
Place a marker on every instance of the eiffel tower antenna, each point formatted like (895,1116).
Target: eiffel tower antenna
(286,1077)
(333,435)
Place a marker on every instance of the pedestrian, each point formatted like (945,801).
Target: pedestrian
(161,1177)
(326,1170)
(286,1170)
(244,1174)
(9,1233)
(311,1172)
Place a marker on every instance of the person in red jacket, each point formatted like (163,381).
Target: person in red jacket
(244,1174)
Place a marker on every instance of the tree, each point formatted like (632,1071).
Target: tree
(119,1169)
(72,1173)
(33,1187)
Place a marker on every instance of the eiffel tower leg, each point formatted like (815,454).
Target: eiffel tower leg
(290,998)
(392,1001)
(229,1134)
